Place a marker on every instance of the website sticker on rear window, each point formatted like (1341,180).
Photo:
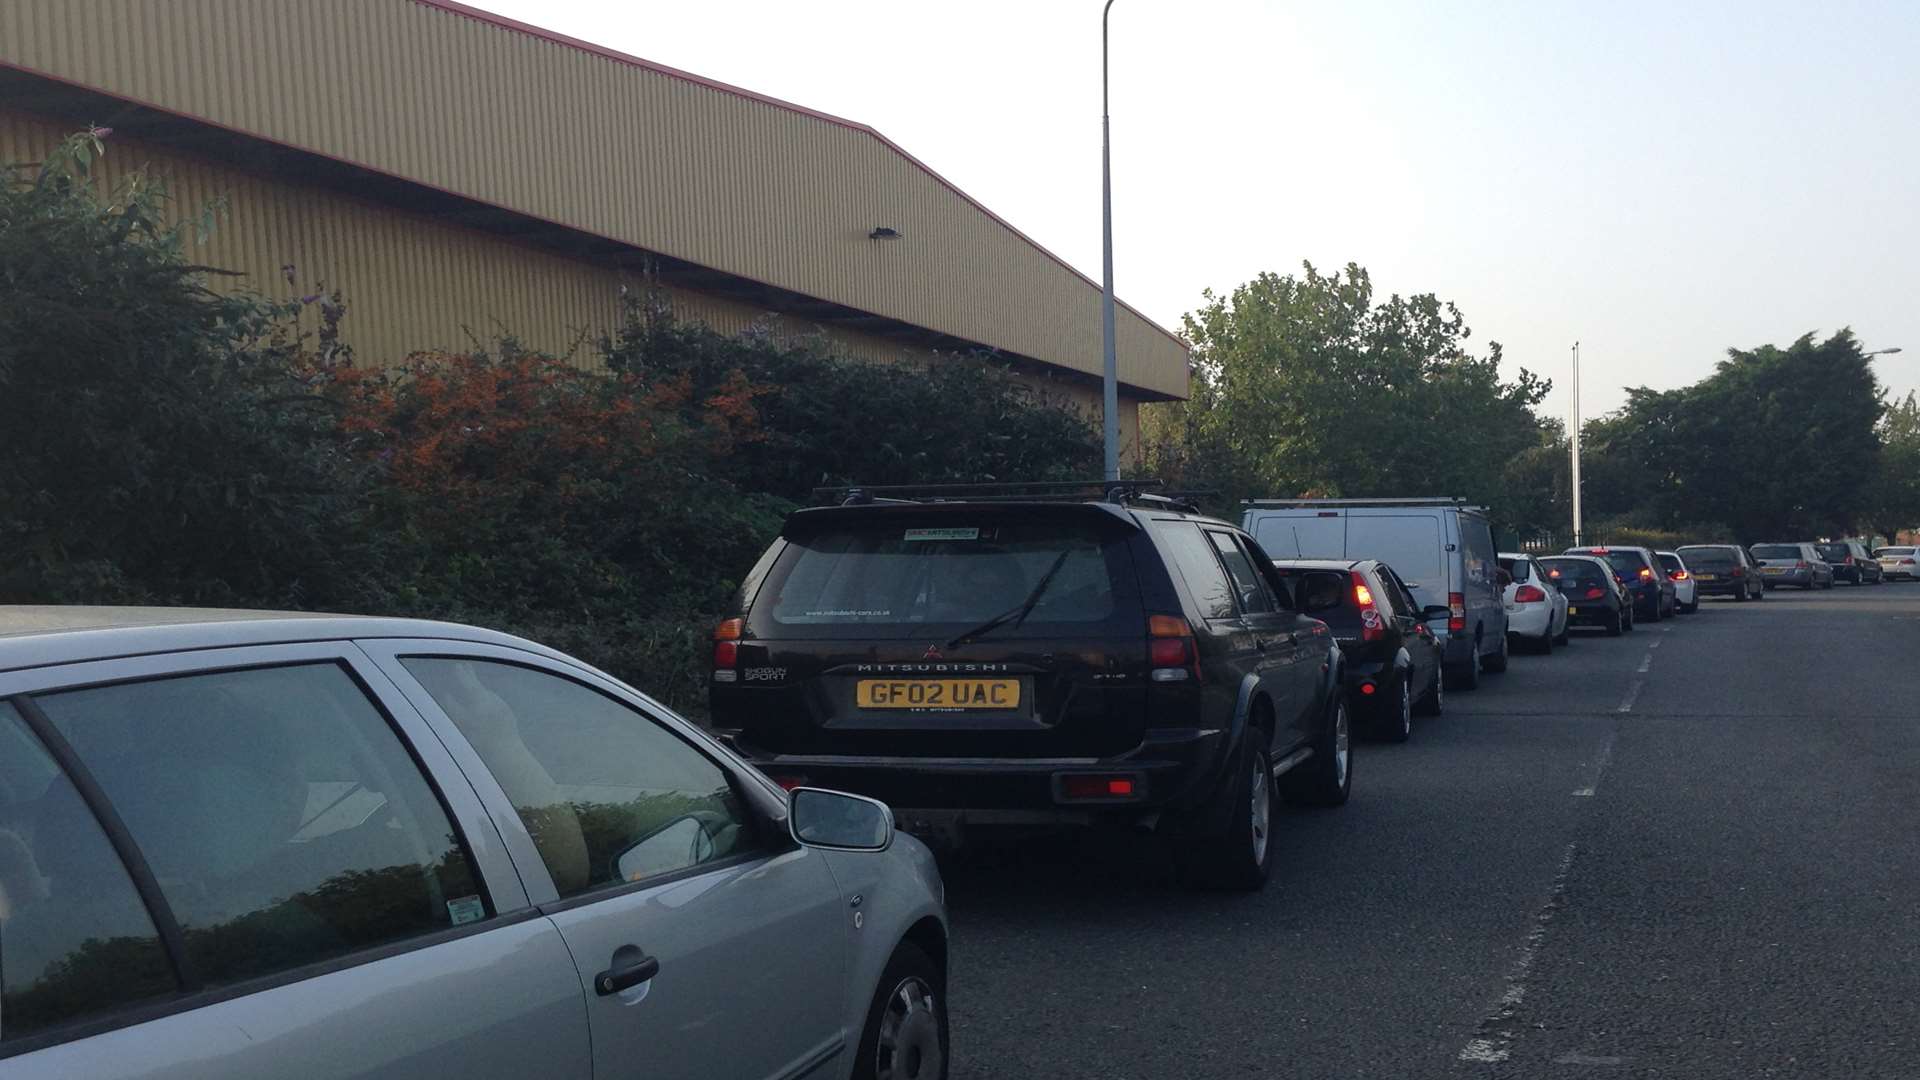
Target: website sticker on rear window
(942,534)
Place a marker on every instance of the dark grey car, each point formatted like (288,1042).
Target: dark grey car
(1724,570)
(1851,562)
(244,846)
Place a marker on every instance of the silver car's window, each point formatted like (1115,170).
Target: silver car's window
(75,940)
(283,818)
(609,795)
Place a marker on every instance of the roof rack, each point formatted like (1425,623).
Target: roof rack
(1432,500)
(1119,492)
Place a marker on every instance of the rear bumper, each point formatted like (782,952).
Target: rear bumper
(1720,586)
(1590,613)
(1530,620)
(1789,577)
(1172,768)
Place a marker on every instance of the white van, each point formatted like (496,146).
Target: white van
(1442,548)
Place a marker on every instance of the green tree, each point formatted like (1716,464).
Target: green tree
(1893,502)
(1309,385)
(1776,443)
(157,440)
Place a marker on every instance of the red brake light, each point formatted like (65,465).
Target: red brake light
(1528,594)
(1646,573)
(1800,564)
(1456,612)
(1678,575)
(726,649)
(1170,649)
(1596,594)
(1372,626)
(1600,551)
(1098,787)
(1906,562)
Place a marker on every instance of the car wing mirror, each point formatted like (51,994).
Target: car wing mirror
(1436,611)
(838,821)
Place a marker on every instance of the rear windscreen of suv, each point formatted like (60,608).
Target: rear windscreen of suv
(1710,558)
(887,579)
(1833,552)
(1777,551)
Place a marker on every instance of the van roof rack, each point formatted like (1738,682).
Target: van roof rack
(1118,492)
(1430,500)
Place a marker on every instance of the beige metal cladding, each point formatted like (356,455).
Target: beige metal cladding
(425,91)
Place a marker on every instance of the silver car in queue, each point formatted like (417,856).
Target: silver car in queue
(237,844)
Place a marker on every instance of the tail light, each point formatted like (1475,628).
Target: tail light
(1678,575)
(1527,594)
(1906,562)
(1646,573)
(1848,561)
(726,649)
(1739,571)
(1372,626)
(1596,594)
(1456,612)
(1170,649)
(1097,786)
(1800,564)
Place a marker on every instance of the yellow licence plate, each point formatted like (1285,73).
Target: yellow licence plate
(1573,610)
(937,694)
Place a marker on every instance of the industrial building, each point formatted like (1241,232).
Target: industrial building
(459,175)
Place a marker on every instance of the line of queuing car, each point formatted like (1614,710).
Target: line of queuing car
(218,823)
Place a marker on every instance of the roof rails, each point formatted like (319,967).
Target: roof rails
(1459,501)
(1118,492)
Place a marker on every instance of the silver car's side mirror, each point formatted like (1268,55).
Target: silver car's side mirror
(834,819)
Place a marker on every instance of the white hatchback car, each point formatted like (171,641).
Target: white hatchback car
(1536,611)
(1686,592)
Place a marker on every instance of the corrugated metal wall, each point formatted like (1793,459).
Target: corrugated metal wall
(415,284)
(623,151)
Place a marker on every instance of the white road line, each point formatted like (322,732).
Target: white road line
(1645,663)
(1599,767)
(1633,693)
(1655,643)
(1493,1040)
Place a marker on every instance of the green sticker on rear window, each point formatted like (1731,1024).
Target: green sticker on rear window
(466,909)
(943,534)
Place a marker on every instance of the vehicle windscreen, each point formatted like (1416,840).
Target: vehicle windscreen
(1833,552)
(1894,552)
(1670,563)
(1517,568)
(1326,595)
(1410,543)
(1776,551)
(1627,564)
(1573,576)
(885,579)
(1710,559)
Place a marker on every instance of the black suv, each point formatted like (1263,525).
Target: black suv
(1064,655)
(1393,659)
(1851,561)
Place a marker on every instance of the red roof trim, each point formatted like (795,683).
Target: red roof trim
(505,23)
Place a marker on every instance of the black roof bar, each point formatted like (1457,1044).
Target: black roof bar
(1110,491)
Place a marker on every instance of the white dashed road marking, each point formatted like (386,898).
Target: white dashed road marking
(1599,767)
(1493,1041)
(1633,693)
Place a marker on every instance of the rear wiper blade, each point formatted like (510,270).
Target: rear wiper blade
(1015,615)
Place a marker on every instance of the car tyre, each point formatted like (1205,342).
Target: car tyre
(1326,779)
(1617,624)
(1434,700)
(1566,634)
(1688,609)
(1496,663)
(1239,858)
(1396,725)
(1465,676)
(906,1034)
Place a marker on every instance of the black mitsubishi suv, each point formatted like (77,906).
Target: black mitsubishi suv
(1066,654)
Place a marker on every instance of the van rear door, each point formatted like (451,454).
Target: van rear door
(1299,532)
(1413,542)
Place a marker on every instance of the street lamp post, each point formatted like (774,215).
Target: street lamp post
(1881,352)
(1110,367)
(1574,443)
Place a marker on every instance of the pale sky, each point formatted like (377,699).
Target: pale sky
(1658,181)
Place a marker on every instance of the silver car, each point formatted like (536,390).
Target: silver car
(1792,564)
(244,845)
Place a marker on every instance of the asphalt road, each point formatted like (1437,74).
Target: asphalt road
(1685,852)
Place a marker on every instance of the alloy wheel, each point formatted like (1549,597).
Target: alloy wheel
(1262,809)
(909,1043)
(1342,745)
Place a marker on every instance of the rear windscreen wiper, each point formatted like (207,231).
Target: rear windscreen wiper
(1015,615)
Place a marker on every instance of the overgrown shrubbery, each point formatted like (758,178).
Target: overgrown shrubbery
(161,442)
